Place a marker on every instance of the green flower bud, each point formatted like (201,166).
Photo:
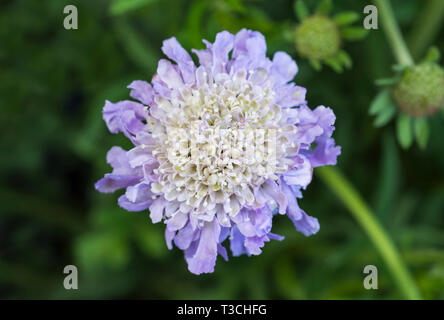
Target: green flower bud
(317,38)
(421,89)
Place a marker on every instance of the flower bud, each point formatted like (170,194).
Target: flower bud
(317,38)
(421,89)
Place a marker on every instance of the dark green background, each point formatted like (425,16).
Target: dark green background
(53,84)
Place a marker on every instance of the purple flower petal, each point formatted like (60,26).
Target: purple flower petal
(173,50)
(124,116)
(204,258)
(142,91)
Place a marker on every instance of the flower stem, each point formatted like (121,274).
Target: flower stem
(426,27)
(350,197)
(393,33)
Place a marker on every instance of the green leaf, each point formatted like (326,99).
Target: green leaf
(433,55)
(122,6)
(354,33)
(422,132)
(335,64)
(387,81)
(404,130)
(381,101)
(344,57)
(236,5)
(300,9)
(346,18)
(388,185)
(136,47)
(385,115)
(324,7)
(316,64)
(399,67)
(193,23)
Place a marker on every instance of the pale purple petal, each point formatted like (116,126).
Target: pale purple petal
(301,174)
(156,209)
(124,116)
(169,74)
(173,50)
(237,242)
(113,182)
(204,258)
(306,225)
(184,237)
(284,68)
(142,91)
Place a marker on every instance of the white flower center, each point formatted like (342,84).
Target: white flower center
(219,141)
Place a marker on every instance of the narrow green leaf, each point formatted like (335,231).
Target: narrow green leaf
(316,65)
(381,100)
(346,18)
(399,67)
(300,10)
(433,55)
(335,64)
(136,47)
(344,57)
(236,5)
(387,81)
(193,23)
(324,7)
(354,33)
(422,132)
(385,115)
(122,6)
(404,130)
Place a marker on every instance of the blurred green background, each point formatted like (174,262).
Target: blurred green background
(53,84)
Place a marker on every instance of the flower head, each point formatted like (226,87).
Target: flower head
(421,89)
(219,148)
(319,37)
(415,93)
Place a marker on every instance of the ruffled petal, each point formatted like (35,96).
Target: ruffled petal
(300,174)
(137,198)
(173,50)
(169,74)
(185,236)
(156,209)
(113,182)
(325,153)
(237,242)
(122,176)
(124,116)
(203,259)
(284,68)
(221,47)
(142,91)
(254,244)
(306,225)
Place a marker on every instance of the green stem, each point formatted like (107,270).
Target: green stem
(345,191)
(426,27)
(393,33)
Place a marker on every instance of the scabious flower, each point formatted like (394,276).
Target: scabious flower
(219,148)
